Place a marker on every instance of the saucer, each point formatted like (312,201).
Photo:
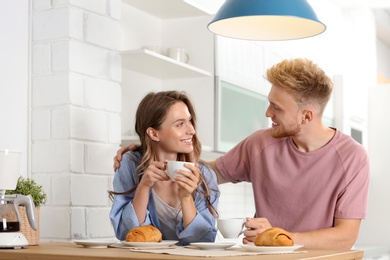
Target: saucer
(164,243)
(91,243)
(271,249)
(212,245)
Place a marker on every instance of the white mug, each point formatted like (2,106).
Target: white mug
(178,54)
(231,227)
(173,166)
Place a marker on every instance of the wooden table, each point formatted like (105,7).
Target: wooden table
(68,250)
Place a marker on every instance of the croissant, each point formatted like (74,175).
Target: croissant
(274,237)
(144,234)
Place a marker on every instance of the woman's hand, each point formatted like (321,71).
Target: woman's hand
(155,172)
(189,182)
(254,227)
(187,185)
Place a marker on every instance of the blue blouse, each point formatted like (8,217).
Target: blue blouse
(123,216)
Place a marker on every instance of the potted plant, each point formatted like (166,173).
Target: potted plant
(27,186)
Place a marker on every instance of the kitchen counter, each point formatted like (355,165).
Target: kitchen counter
(68,250)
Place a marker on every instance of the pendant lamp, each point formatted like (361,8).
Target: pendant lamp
(264,20)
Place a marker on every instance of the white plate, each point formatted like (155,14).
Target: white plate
(271,249)
(212,245)
(94,243)
(164,243)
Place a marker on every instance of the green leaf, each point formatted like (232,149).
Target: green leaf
(30,187)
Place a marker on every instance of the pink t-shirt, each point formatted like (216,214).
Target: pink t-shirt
(301,191)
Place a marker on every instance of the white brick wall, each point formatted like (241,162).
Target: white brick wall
(53,90)
(50,156)
(41,58)
(103,95)
(89,190)
(114,9)
(96,158)
(88,59)
(97,6)
(60,189)
(76,106)
(115,66)
(88,124)
(41,125)
(53,24)
(77,157)
(114,129)
(79,225)
(55,223)
(98,222)
(61,123)
(41,4)
(60,56)
(102,31)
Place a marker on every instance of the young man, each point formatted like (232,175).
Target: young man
(307,178)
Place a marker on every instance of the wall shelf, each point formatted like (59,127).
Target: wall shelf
(172,23)
(159,66)
(129,139)
(163,10)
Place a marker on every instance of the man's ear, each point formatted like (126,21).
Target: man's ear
(307,116)
(153,134)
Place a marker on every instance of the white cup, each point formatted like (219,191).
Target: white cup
(231,227)
(178,54)
(173,166)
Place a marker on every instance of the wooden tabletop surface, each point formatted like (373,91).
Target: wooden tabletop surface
(69,250)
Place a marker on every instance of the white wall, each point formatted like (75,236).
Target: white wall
(14,77)
(375,228)
(383,56)
(76,104)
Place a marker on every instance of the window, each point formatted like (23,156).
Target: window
(357,135)
(240,112)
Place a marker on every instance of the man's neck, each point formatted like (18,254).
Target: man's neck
(313,139)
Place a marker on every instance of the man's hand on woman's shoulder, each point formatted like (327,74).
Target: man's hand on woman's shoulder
(120,152)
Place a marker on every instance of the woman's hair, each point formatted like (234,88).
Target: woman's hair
(152,112)
(304,80)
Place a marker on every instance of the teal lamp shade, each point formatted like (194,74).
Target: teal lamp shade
(266,20)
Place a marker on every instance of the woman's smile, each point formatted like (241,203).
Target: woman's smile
(187,141)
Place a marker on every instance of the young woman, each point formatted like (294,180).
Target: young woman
(183,209)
